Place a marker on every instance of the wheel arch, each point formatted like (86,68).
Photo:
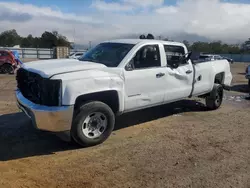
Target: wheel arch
(109,97)
(219,78)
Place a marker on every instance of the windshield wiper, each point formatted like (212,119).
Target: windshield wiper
(91,60)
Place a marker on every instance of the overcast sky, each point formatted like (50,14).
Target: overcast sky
(98,20)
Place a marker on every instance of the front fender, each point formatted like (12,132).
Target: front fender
(73,88)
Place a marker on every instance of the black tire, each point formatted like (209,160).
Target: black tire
(84,112)
(249,84)
(7,69)
(215,98)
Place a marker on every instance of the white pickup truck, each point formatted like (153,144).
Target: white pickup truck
(83,97)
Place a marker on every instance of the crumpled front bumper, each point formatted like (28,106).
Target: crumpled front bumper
(54,119)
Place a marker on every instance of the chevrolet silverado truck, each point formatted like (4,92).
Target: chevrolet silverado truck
(83,97)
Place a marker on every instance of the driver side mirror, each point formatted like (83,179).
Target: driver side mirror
(182,60)
(130,65)
(186,56)
(189,56)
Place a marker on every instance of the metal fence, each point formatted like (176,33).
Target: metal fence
(238,57)
(38,53)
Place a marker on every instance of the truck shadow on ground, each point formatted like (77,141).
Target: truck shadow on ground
(18,139)
(243,88)
(150,114)
(241,73)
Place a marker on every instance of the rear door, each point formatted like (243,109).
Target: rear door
(203,77)
(178,80)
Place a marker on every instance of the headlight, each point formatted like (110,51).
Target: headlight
(54,89)
(39,90)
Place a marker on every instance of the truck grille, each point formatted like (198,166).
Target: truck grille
(37,89)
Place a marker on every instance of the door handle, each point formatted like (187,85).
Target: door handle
(199,78)
(189,72)
(160,75)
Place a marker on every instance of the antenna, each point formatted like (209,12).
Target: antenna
(74,35)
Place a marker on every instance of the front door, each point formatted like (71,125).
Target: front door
(144,79)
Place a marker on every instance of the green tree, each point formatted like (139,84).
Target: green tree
(53,39)
(48,40)
(27,42)
(246,46)
(63,41)
(9,38)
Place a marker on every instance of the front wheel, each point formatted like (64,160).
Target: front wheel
(93,124)
(214,99)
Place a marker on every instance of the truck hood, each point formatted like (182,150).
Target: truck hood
(48,68)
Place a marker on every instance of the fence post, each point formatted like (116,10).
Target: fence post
(50,53)
(37,54)
(22,53)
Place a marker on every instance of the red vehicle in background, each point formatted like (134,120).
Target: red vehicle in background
(8,63)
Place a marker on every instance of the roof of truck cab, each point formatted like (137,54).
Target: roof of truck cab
(137,41)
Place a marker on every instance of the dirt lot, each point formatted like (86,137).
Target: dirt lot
(176,145)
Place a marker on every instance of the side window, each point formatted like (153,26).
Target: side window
(147,57)
(174,54)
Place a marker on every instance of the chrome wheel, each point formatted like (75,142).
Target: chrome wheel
(218,97)
(94,125)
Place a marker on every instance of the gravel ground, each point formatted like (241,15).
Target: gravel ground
(175,145)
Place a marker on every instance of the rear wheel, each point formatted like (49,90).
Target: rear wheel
(93,124)
(215,98)
(7,69)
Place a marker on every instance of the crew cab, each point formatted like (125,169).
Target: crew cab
(83,97)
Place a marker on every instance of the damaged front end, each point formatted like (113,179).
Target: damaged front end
(40,99)
(39,90)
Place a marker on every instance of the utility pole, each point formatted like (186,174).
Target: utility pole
(74,38)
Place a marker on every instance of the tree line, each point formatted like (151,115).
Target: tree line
(215,47)
(48,39)
(52,39)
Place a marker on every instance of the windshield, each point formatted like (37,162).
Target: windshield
(109,54)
